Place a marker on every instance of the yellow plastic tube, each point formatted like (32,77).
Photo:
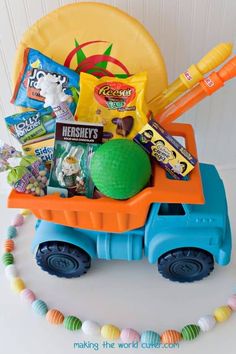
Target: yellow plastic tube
(191,76)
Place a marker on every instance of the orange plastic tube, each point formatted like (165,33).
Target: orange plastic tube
(203,89)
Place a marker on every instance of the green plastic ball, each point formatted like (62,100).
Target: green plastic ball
(120,169)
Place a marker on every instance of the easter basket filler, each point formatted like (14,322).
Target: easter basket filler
(102,168)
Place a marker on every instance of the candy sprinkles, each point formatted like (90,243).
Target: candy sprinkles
(147,338)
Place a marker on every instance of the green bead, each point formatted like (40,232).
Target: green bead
(11,232)
(72,323)
(7,259)
(190,332)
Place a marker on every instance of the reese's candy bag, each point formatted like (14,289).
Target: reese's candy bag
(32,124)
(116,103)
(35,65)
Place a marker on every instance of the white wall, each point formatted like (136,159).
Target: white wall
(184,29)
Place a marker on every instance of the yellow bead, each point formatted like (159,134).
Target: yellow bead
(110,332)
(17,284)
(25,212)
(222,313)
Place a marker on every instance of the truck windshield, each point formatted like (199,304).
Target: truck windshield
(171,209)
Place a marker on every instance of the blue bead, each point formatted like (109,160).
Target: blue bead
(150,337)
(11,232)
(39,307)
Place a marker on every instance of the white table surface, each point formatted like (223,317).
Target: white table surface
(130,294)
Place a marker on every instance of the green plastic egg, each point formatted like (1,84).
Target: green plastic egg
(120,169)
(72,323)
(190,332)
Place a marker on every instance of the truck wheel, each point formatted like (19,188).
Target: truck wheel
(186,264)
(62,259)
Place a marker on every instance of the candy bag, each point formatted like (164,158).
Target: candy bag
(116,103)
(37,168)
(22,180)
(30,125)
(36,65)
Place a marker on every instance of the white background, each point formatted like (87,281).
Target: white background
(185,30)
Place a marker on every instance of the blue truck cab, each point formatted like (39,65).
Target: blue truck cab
(183,240)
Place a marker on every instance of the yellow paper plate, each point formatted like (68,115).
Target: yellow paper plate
(109,30)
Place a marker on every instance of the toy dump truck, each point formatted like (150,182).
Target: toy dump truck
(183,226)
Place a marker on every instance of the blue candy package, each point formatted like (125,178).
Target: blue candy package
(35,65)
(32,124)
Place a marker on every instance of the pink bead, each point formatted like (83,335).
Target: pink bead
(18,220)
(27,295)
(129,335)
(232,302)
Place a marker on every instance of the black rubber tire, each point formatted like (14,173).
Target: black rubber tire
(185,264)
(62,259)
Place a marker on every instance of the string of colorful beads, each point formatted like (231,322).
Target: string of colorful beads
(92,328)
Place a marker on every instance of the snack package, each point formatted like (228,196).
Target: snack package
(36,65)
(37,168)
(8,152)
(42,149)
(116,103)
(22,180)
(166,150)
(30,125)
(73,150)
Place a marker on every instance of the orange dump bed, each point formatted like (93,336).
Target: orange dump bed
(105,214)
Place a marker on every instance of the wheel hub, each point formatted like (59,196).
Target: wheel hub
(62,263)
(185,267)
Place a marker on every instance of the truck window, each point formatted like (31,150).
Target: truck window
(171,209)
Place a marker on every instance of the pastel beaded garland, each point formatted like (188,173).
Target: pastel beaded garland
(9,245)
(150,337)
(11,232)
(27,295)
(171,336)
(17,284)
(91,328)
(222,313)
(7,259)
(11,271)
(190,332)
(40,307)
(206,323)
(72,323)
(55,317)
(18,220)
(110,332)
(232,302)
(25,212)
(129,335)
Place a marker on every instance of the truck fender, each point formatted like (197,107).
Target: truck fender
(207,239)
(47,231)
